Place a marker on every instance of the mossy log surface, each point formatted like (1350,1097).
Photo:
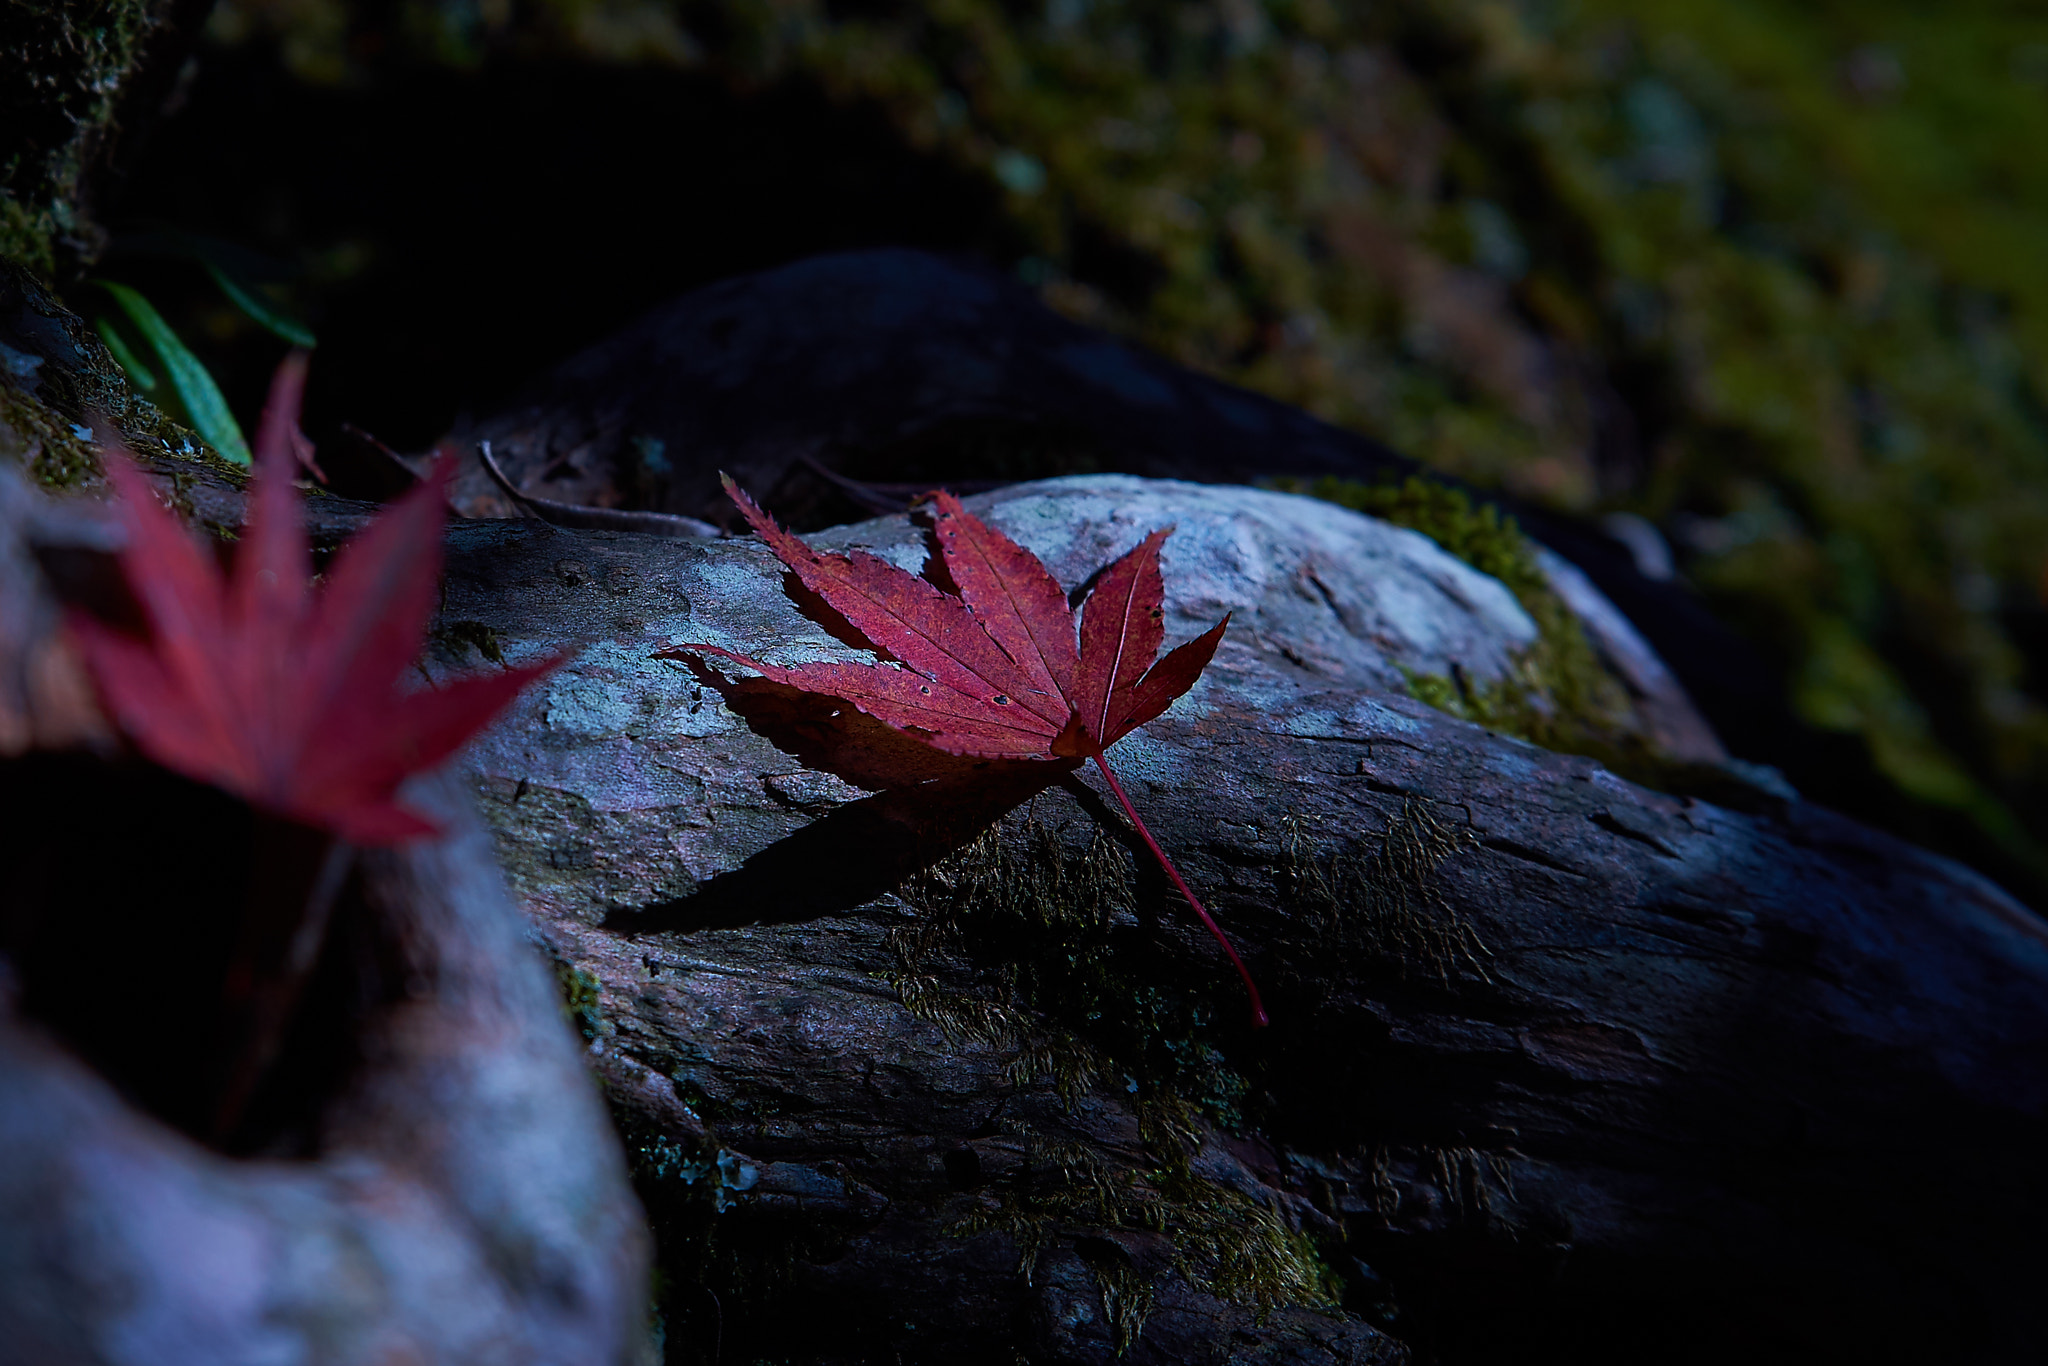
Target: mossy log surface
(1555,1060)
(942,1071)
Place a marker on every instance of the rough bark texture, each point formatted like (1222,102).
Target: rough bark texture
(1558,1064)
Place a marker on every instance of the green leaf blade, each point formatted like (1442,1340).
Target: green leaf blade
(188,375)
(261,310)
(139,374)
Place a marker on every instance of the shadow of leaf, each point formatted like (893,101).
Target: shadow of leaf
(925,805)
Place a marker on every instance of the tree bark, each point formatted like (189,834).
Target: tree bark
(1556,1062)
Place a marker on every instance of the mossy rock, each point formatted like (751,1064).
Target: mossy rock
(57,379)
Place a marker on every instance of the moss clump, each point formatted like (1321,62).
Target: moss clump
(459,636)
(1380,903)
(1477,533)
(1222,1240)
(1063,972)
(1042,895)
(67,70)
(1472,1182)
(580,1004)
(1060,971)
(1558,695)
(49,399)
(40,440)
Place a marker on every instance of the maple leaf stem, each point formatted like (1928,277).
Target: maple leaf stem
(1145,833)
(294,881)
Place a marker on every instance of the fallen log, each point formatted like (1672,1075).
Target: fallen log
(1557,1061)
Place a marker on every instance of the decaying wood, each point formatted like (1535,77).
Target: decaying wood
(1557,1062)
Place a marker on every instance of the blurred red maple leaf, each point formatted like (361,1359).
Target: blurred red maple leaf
(995,672)
(289,699)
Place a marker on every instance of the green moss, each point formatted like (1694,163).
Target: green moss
(1063,973)
(1477,533)
(580,1003)
(1558,693)
(1127,1299)
(1032,944)
(1223,1241)
(66,71)
(46,414)
(459,636)
(1473,1182)
(23,238)
(1379,903)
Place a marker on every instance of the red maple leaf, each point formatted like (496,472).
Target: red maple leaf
(287,699)
(995,673)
